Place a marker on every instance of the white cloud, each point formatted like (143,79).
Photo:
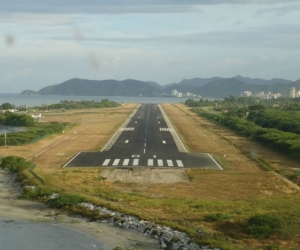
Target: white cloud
(48,42)
(121,6)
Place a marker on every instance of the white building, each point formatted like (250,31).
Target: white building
(291,92)
(246,93)
(174,92)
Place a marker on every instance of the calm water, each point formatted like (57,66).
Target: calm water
(21,235)
(37,100)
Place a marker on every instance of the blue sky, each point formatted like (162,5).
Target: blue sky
(48,42)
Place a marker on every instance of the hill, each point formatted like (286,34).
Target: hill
(101,88)
(215,87)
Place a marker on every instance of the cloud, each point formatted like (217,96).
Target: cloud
(121,6)
(277,36)
(278,11)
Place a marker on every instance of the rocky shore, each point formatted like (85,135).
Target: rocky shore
(168,238)
(120,230)
(13,211)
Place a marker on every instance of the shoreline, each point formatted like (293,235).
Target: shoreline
(13,210)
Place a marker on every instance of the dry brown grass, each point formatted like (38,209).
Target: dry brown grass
(93,129)
(242,189)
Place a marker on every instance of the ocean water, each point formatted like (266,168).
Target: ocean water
(36,100)
(22,235)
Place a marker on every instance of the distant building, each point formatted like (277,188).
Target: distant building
(246,93)
(291,92)
(260,94)
(174,92)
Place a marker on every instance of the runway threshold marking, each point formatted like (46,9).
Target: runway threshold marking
(106,162)
(125,162)
(116,162)
(170,163)
(179,163)
(135,162)
(150,162)
(160,163)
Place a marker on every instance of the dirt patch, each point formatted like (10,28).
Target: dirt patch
(145,175)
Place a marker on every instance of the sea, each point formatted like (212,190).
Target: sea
(24,235)
(37,100)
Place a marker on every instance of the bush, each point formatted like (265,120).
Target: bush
(36,193)
(216,217)
(14,163)
(64,201)
(263,226)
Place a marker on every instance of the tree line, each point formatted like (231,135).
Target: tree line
(67,105)
(276,126)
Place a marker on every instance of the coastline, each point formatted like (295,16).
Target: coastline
(14,210)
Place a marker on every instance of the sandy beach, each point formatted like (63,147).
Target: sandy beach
(14,210)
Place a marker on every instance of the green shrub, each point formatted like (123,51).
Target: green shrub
(262,226)
(14,163)
(273,247)
(64,201)
(36,193)
(216,217)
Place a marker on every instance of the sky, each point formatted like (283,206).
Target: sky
(48,42)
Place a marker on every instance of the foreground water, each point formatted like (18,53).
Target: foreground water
(28,225)
(22,235)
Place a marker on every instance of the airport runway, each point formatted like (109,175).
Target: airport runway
(147,139)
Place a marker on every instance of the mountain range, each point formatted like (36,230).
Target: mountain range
(214,87)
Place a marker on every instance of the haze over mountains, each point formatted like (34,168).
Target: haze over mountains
(215,87)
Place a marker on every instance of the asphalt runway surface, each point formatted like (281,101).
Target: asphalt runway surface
(146,139)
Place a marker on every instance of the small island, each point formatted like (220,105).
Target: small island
(29,92)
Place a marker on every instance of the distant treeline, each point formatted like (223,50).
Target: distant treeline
(105,103)
(34,130)
(233,102)
(278,128)
(16,120)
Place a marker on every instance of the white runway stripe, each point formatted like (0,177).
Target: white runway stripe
(160,163)
(127,129)
(179,163)
(135,162)
(125,162)
(170,163)
(116,162)
(106,162)
(166,129)
(150,162)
